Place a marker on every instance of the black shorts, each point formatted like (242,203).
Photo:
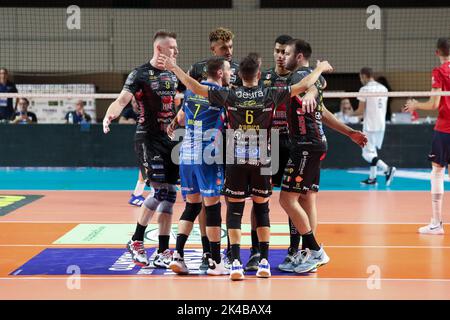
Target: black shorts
(302,172)
(244,180)
(283,158)
(440,148)
(154,158)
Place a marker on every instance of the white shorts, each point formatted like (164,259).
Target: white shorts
(374,142)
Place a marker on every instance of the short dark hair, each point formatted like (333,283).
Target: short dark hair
(25,99)
(213,65)
(164,34)
(256,56)
(443,45)
(248,68)
(301,46)
(368,72)
(283,39)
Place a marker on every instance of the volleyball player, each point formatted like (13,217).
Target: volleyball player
(154,89)
(440,147)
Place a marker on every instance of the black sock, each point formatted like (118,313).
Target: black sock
(309,241)
(264,249)
(235,252)
(139,233)
(294,238)
(205,244)
(255,242)
(163,243)
(181,242)
(215,251)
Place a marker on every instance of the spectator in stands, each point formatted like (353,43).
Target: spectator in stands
(130,113)
(346,113)
(79,115)
(6,105)
(22,115)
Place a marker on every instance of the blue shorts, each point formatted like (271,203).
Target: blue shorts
(206,179)
(440,148)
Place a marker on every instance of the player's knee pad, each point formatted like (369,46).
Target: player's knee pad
(151,202)
(374,161)
(262,214)
(191,211)
(213,215)
(171,193)
(437,180)
(235,211)
(166,194)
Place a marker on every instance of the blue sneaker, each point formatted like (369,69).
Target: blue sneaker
(136,200)
(237,271)
(263,269)
(289,263)
(305,262)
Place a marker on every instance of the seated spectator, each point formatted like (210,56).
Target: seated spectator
(22,115)
(346,113)
(78,116)
(6,105)
(130,113)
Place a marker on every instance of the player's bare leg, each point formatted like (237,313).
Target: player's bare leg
(137,198)
(235,210)
(308,203)
(253,261)
(262,222)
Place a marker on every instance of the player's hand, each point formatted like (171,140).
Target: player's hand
(324,66)
(164,62)
(171,129)
(107,122)
(359,138)
(410,106)
(309,103)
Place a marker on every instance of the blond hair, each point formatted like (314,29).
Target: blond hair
(221,33)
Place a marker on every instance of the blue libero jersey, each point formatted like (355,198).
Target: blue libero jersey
(204,123)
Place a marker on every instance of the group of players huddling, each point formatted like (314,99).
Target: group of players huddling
(270,124)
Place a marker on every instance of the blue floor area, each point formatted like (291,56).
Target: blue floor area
(125,179)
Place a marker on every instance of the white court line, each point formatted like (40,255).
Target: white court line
(278,223)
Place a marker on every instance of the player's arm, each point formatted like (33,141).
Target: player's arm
(309,101)
(310,79)
(116,108)
(330,120)
(359,112)
(188,81)
(432,103)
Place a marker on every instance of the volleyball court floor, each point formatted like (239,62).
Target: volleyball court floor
(58,223)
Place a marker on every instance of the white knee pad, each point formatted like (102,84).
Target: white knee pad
(437,180)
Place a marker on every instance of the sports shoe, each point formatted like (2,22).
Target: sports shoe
(320,256)
(432,228)
(237,272)
(227,260)
(216,269)
(263,269)
(136,200)
(369,182)
(253,261)
(390,175)
(178,265)
(138,253)
(305,262)
(288,264)
(163,259)
(205,262)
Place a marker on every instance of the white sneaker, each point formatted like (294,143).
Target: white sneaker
(178,265)
(263,269)
(237,271)
(217,269)
(163,259)
(432,228)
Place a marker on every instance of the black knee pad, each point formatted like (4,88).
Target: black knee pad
(235,210)
(374,161)
(262,214)
(213,215)
(191,211)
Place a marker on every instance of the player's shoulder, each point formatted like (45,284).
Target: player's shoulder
(234,64)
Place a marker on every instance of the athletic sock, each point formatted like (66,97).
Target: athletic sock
(235,252)
(373,172)
(228,243)
(309,242)
(139,189)
(436,203)
(382,165)
(255,242)
(264,249)
(181,242)
(437,193)
(215,251)
(163,243)
(294,236)
(205,244)
(139,233)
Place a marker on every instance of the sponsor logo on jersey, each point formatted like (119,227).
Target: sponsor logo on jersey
(250,95)
(267,83)
(154,85)
(268,76)
(298,179)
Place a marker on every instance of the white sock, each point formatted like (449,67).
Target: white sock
(436,204)
(139,189)
(382,165)
(437,193)
(373,172)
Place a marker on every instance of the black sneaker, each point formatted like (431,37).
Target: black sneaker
(390,175)
(253,261)
(369,182)
(205,262)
